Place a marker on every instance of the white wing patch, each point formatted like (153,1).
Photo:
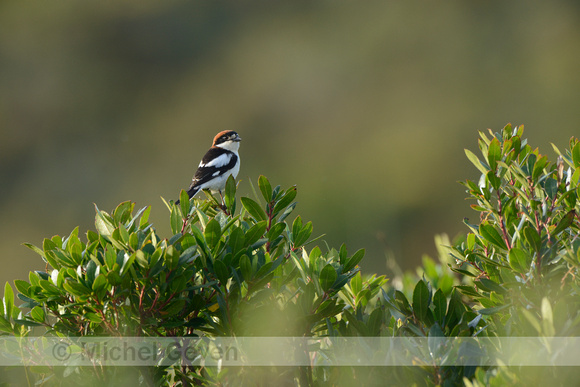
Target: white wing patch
(218,162)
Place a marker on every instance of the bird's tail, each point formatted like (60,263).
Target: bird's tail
(190,192)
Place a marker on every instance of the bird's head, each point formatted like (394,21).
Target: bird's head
(228,139)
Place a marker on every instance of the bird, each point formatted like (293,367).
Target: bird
(216,166)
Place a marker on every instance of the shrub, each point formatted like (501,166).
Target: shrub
(517,268)
(221,273)
(250,273)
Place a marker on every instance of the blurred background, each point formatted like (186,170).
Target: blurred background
(366,108)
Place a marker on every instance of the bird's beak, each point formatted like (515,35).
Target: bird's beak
(238,138)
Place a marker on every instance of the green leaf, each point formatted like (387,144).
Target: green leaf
(354,260)
(8,301)
(531,319)
(461,271)
(475,161)
(298,264)
(493,180)
(48,245)
(327,277)
(516,145)
(305,233)
(287,211)
(565,222)
(275,231)
(141,259)
(314,256)
(102,223)
(402,303)
(467,290)
(123,233)
(507,131)
(355,323)
(5,325)
(128,261)
(176,221)
(530,163)
(532,237)
(209,196)
(539,167)
(547,318)
(551,187)
(356,284)
(202,216)
(99,283)
(483,144)
(489,233)
(255,233)
(236,239)
(253,209)
(494,153)
(134,243)
(246,268)
(436,345)
(221,271)
(184,202)
(285,201)
(455,309)
(471,186)
(375,322)
(519,260)
(342,254)
(22,286)
(93,317)
(440,307)
(495,309)
(76,288)
(491,286)
(174,308)
(300,233)
(91,272)
(34,279)
(122,213)
(576,155)
(265,270)
(35,249)
(470,241)
(38,314)
(421,300)
(171,257)
(265,188)
(230,194)
(144,217)
(296,226)
(139,214)
(113,278)
(212,233)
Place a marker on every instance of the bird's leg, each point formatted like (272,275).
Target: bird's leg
(223,206)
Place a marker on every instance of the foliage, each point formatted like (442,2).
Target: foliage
(219,274)
(249,273)
(523,257)
(517,268)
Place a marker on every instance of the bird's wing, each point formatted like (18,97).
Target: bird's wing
(216,162)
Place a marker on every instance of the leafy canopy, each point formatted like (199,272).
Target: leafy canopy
(230,270)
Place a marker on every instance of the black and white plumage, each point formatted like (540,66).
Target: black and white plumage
(216,166)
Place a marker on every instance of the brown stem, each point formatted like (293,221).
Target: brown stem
(184,224)
(538,255)
(502,223)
